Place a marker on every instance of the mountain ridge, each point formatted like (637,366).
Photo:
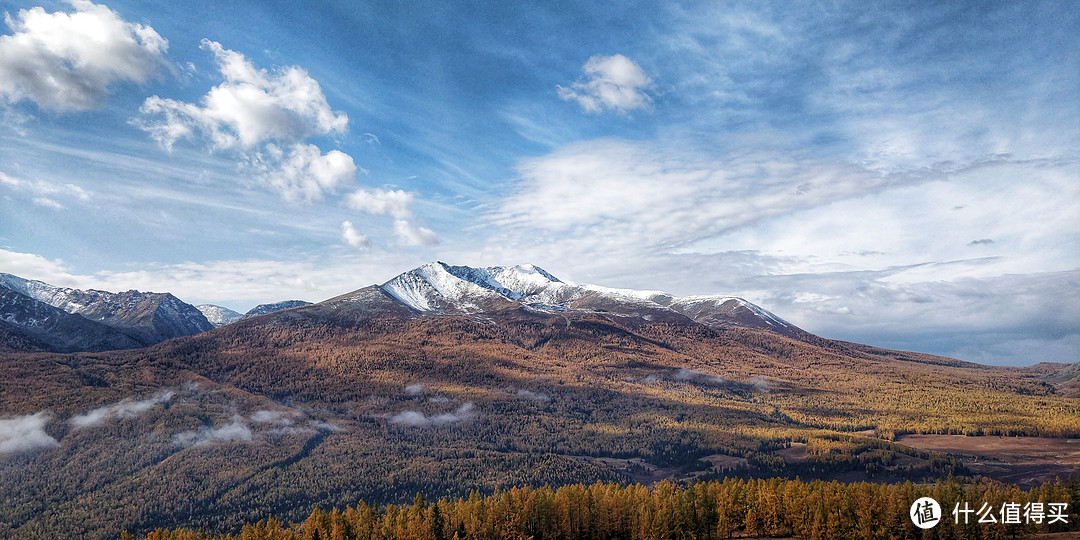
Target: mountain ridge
(440,288)
(145,317)
(362,397)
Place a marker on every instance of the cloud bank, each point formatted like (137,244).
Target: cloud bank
(25,433)
(127,408)
(235,431)
(839,249)
(67,61)
(418,419)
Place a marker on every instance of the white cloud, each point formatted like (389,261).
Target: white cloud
(618,200)
(641,194)
(351,236)
(418,419)
(124,409)
(263,116)
(67,61)
(395,203)
(538,397)
(272,417)
(693,375)
(235,431)
(44,193)
(414,235)
(47,203)
(414,389)
(614,82)
(224,282)
(838,249)
(25,433)
(250,107)
(302,172)
(33,266)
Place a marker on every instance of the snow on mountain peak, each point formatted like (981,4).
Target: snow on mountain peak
(438,287)
(218,315)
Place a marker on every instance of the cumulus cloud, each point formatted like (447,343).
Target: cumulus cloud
(612,82)
(250,107)
(352,237)
(419,419)
(394,203)
(414,389)
(127,408)
(25,433)
(67,61)
(410,234)
(235,431)
(264,116)
(301,172)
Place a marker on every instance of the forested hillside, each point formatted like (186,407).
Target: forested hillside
(705,510)
(330,404)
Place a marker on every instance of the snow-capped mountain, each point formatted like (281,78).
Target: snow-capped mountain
(218,315)
(145,316)
(263,309)
(439,288)
(44,327)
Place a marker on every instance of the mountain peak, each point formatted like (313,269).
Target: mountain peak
(441,288)
(143,317)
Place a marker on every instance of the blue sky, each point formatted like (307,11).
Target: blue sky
(899,174)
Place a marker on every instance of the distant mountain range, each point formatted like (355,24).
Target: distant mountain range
(220,316)
(35,315)
(65,319)
(439,288)
(38,316)
(449,379)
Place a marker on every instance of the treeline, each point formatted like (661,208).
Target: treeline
(732,508)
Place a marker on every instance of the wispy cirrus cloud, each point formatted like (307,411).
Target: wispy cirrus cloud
(839,249)
(67,61)
(44,193)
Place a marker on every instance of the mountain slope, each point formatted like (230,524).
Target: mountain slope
(144,316)
(53,329)
(364,397)
(263,309)
(218,315)
(439,288)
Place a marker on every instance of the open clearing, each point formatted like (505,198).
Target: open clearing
(1020,460)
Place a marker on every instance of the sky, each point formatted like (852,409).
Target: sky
(900,174)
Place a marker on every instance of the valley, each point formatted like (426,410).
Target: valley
(502,378)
